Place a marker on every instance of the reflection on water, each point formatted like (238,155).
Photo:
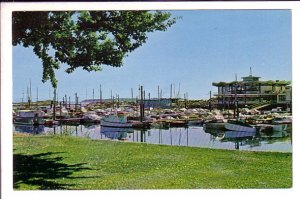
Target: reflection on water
(30,129)
(116,133)
(192,136)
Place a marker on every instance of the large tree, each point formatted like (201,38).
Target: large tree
(86,39)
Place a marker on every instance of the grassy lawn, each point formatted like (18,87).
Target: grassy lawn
(53,162)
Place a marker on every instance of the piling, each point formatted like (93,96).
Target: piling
(66,102)
(142,104)
(237,109)
(69,102)
(118,102)
(60,111)
(76,102)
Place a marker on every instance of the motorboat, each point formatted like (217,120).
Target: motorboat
(30,117)
(119,121)
(239,125)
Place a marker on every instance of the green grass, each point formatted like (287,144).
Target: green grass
(62,162)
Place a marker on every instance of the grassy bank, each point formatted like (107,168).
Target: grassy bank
(55,162)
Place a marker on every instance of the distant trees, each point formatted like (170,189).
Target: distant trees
(85,39)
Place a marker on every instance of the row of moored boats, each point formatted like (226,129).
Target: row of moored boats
(121,119)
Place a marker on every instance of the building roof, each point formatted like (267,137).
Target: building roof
(250,78)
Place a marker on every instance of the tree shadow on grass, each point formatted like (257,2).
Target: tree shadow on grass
(43,170)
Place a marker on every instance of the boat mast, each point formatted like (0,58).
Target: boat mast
(235,98)
(22,96)
(37,96)
(100,94)
(93,95)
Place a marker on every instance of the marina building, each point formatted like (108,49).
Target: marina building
(252,91)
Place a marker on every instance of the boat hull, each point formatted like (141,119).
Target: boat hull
(115,124)
(28,121)
(273,127)
(237,127)
(214,125)
(195,123)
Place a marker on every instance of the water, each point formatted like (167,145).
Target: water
(192,137)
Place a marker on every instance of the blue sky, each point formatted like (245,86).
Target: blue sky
(204,46)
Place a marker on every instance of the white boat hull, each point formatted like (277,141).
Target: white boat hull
(236,127)
(115,124)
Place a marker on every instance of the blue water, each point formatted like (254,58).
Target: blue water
(192,137)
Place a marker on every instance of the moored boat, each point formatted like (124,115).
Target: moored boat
(273,134)
(30,117)
(140,125)
(32,129)
(119,121)
(160,125)
(91,117)
(239,125)
(50,122)
(266,125)
(271,127)
(217,124)
(282,120)
(195,122)
(177,123)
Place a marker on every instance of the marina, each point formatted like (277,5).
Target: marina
(167,121)
(194,136)
(145,99)
(178,123)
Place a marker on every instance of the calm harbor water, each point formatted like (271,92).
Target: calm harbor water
(192,137)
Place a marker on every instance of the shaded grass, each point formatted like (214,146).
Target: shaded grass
(53,162)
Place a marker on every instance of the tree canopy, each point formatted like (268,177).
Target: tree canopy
(84,39)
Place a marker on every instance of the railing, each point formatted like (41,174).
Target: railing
(249,102)
(249,93)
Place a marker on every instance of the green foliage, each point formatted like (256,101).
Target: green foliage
(219,84)
(86,39)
